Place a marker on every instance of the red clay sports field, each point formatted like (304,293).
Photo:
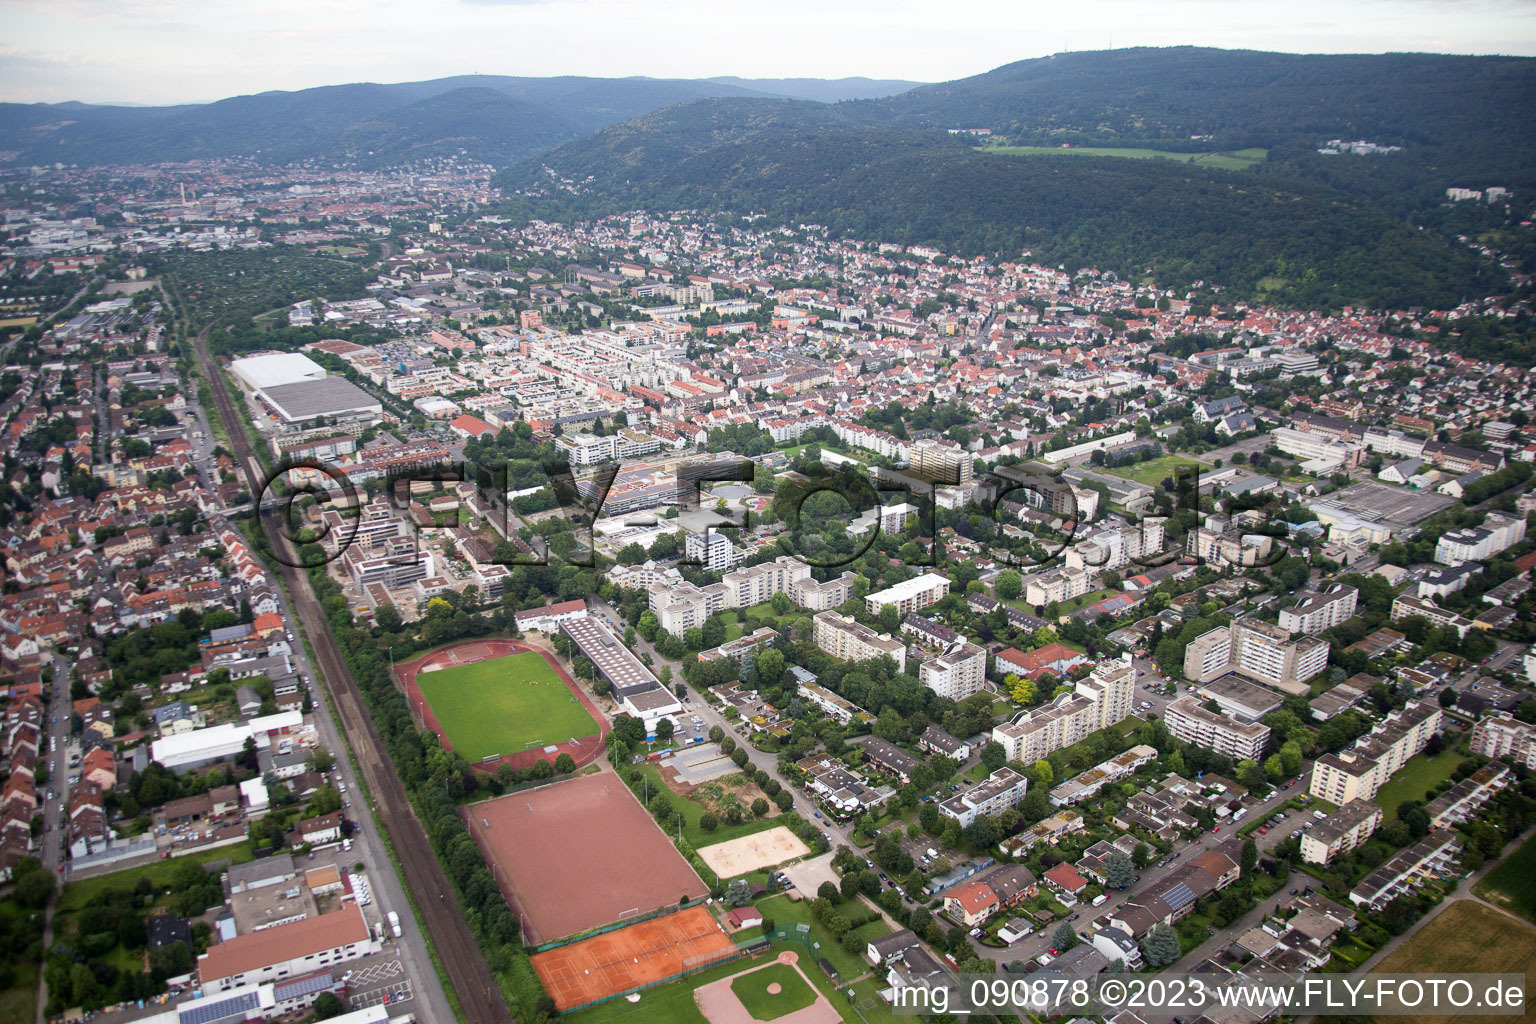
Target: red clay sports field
(579,853)
(582,749)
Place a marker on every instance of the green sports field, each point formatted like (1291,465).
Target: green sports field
(504,706)
(1233,160)
(752,989)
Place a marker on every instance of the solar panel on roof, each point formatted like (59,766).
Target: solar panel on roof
(1179,895)
(302,986)
(223,1009)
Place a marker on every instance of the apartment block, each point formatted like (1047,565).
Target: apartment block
(1267,653)
(1359,772)
(910,595)
(1407,607)
(683,606)
(1317,613)
(1499,531)
(1220,542)
(996,793)
(941,460)
(1191,722)
(1261,651)
(680,605)
(1208,656)
(1060,584)
(754,584)
(1100,700)
(844,638)
(714,551)
(818,596)
(957,673)
(1340,832)
(1118,547)
(1499,734)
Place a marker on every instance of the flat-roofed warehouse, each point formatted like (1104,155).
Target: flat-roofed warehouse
(272,369)
(625,673)
(330,398)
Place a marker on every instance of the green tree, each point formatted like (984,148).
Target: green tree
(770,667)
(1064,937)
(1044,774)
(326,1006)
(993,756)
(1118,870)
(1009,584)
(1160,946)
(1291,757)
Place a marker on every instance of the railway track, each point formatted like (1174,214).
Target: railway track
(468,973)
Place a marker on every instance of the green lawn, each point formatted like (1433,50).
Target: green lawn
(752,990)
(784,913)
(77,894)
(1512,885)
(1234,160)
(1416,778)
(1154,471)
(19,1002)
(504,706)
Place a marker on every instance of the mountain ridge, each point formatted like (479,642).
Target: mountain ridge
(333,122)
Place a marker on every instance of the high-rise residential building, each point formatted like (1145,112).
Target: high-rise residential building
(1189,720)
(1259,650)
(1267,653)
(941,460)
(714,551)
(1499,734)
(1208,656)
(844,638)
(1118,546)
(1100,700)
(957,673)
(1317,613)
(910,595)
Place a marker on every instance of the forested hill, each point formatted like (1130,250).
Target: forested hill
(1294,227)
(493,118)
(1461,121)
(1294,243)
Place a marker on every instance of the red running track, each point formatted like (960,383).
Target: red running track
(582,751)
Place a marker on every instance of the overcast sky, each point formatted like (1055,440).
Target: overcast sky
(170,51)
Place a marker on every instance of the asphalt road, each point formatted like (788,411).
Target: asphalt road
(467,971)
(56,730)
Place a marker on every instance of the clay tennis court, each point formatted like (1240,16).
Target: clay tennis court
(577,854)
(627,958)
(753,853)
(582,749)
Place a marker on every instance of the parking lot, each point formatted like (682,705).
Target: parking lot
(379,980)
